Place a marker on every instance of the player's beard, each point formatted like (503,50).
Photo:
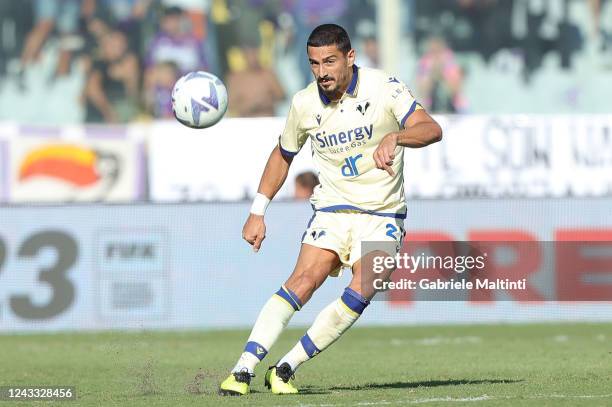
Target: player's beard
(333,91)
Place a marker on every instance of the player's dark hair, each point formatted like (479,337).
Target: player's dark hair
(330,34)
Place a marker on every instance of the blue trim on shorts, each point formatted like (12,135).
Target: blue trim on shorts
(309,223)
(335,208)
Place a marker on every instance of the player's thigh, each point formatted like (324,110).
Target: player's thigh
(378,239)
(313,266)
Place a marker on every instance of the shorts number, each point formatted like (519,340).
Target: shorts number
(391,229)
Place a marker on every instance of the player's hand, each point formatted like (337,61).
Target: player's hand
(385,153)
(254,231)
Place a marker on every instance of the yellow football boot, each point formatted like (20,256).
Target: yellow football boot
(237,384)
(279,379)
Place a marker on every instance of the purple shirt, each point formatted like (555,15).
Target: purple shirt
(186,52)
(315,11)
(163,102)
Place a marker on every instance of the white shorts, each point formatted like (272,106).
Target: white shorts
(343,233)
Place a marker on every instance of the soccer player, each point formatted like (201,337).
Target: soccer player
(358,121)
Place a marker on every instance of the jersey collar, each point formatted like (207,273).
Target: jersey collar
(351,90)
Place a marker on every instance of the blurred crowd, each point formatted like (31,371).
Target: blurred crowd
(530,30)
(130,52)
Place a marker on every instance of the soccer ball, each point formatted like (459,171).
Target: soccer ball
(199,99)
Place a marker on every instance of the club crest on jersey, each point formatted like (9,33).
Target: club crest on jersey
(363,108)
(315,235)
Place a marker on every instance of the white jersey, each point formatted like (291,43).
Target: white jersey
(344,136)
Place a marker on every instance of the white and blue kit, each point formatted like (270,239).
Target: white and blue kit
(355,201)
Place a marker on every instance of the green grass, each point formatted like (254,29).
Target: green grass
(561,364)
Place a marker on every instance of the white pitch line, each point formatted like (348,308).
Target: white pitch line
(437,340)
(450,399)
(574,396)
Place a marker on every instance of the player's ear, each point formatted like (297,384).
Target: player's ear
(350,56)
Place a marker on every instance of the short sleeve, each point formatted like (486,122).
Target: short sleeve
(400,100)
(293,137)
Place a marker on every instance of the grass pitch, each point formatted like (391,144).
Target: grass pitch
(509,365)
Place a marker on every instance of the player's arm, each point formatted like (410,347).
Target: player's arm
(273,178)
(289,144)
(416,127)
(420,130)
(275,173)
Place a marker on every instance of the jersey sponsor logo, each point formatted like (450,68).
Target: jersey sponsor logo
(343,137)
(349,169)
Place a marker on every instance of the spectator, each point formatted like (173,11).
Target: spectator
(15,23)
(253,91)
(305,183)
(440,78)
(196,12)
(126,15)
(174,44)
(199,18)
(121,12)
(490,26)
(309,14)
(369,53)
(62,16)
(158,89)
(173,51)
(601,11)
(112,85)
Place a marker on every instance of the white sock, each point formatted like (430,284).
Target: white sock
(272,319)
(330,324)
